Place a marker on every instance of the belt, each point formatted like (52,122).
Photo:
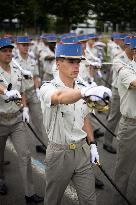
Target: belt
(129,119)
(10,115)
(71,146)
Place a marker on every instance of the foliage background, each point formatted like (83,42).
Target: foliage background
(59,15)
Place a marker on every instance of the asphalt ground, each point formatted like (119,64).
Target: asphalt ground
(14,182)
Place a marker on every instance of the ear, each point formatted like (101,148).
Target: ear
(58,64)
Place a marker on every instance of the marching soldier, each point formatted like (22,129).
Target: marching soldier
(11,120)
(68,154)
(114,114)
(47,58)
(32,87)
(126,137)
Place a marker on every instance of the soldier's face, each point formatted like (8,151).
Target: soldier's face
(5,54)
(23,47)
(118,41)
(91,42)
(69,67)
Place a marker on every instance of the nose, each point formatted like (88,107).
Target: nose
(76,65)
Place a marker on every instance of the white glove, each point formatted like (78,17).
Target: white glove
(91,85)
(96,64)
(27,73)
(38,93)
(12,93)
(93,92)
(25,114)
(94,154)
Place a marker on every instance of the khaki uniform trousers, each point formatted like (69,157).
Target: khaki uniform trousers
(16,131)
(64,165)
(36,114)
(126,155)
(113,118)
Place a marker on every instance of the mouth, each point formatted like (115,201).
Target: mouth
(75,72)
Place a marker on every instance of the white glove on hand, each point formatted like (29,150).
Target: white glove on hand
(96,64)
(12,93)
(91,85)
(94,156)
(93,92)
(27,73)
(38,93)
(25,114)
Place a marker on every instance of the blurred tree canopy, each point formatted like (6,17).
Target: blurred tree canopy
(59,15)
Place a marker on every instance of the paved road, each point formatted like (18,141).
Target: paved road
(16,194)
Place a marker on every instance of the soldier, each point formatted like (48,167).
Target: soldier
(114,115)
(11,120)
(32,87)
(47,58)
(68,154)
(126,137)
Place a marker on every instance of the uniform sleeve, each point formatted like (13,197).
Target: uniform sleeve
(86,110)
(23,88)
(46,91)
(117,65)
(127,76)
(36,70)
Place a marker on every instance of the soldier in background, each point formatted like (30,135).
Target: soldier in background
(126,137)
(114,114)
(32,88)
(11,120)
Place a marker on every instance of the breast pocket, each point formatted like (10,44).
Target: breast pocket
(66,115)
(81,114)
(32,68)
(17,84)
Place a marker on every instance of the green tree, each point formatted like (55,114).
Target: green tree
(116,11)
(68,12)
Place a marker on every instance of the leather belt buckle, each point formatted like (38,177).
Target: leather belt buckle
(72,146)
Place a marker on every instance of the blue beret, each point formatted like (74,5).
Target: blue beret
(73,50)
(23,39)
(127,40)
(6,42)
(70,40)
(133,43)
(83,37)
(91,35)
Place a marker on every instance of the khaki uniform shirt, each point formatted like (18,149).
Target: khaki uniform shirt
(17,81)
(115,51)
(117,65)
(62,122)
(47,64)
(127,94)
(28,64)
